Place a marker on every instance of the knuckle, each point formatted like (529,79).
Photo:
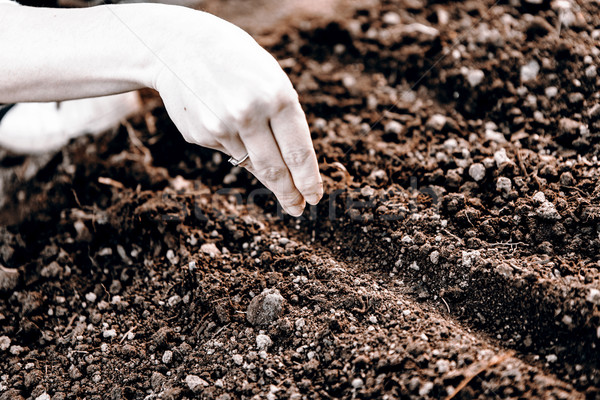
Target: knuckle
(273,174)
(297,158)
(287,97)
(251,112)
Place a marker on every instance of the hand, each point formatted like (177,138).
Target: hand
(225,92)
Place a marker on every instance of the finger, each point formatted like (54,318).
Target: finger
(236,149)
(293,139)
(269,167)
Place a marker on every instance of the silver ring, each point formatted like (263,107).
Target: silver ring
(235,162)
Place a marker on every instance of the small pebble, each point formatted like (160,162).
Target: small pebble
(167,357)
(546,210)
(210,249)
(591,72)
(474,77)
(109,334)
(530,71)
(4,343)
(539,198)
(90,297)
(434,257)
(503,184)
(551,91)
(237,359)
(437,122)
(195,383)
(357,383)
(9,278)
(391,18)
(394,127)
(477,171)
(263,342)
(500,158)
(551,358)
(265,308)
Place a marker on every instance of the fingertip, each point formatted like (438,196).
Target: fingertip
(313,199)
(294,211)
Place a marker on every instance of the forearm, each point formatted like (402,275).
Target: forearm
(60,54)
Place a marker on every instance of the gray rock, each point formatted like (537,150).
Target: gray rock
(265,308)
(195,383)
(167,357)
(547,210)
(503,184)
(263,342)
(9,278)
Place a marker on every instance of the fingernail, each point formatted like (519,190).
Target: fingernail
(313,199)
(295,211)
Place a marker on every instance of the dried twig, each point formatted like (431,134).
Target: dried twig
(110,182)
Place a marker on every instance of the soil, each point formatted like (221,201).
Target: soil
(455,255)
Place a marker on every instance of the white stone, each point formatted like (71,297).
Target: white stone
(238,359)
(263,342)
(425,389)
(434,257)
(357,383)
(539,198)
(530,71)
(551,91)
(551,358)
(109,333)
(195,383)
(91,297)
(210,249)
(593,296)
(4,343)
(300,324)
(547,210)
(470,257)
(591,72)
(437,122)
(174,300)
(450,144)
(394,127)
(43,396)
(167,357)
(474,77)
(500,158)
(391,18)
(477,171)
(503,184)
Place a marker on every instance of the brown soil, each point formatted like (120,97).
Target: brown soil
(411,279)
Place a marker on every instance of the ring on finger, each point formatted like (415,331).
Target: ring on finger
(235,162)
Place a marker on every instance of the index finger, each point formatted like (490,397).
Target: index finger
(291,132)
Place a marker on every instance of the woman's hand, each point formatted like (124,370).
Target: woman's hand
(225,92)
